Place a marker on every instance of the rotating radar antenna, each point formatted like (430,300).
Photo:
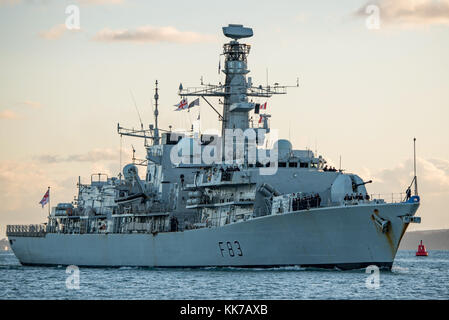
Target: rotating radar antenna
(237,31)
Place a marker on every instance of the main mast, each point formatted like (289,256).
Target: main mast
(156,114)
(153,131)
(236,105)
(237,87)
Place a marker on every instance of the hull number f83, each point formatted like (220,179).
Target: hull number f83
(230,249)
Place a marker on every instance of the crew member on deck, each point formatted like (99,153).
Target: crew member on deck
(408,193)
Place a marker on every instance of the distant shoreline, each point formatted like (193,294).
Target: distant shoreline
(432,239)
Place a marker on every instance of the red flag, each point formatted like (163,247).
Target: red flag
(263,106)
(260,119)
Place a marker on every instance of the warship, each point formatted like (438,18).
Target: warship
(222,200)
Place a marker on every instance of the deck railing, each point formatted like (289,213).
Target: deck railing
(32,230)
(389,197)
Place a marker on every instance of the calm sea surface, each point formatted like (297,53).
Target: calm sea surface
(411,278)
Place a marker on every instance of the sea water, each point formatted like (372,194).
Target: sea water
(410,278)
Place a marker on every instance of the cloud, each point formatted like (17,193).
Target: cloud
(9,2)
(410,13)
(29,2)
(45,2)
(8,114)
(433,188)
(13,183)
(441,164)
(91,2)
(22,185)
(301,18)
(152,34)
(23,182)
(91,156)
(55,32)
(32,104)
(433,177)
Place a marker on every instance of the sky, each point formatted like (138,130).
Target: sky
(372,76)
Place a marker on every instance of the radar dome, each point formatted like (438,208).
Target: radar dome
(284,149)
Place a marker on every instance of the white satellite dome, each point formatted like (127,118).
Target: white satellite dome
(284,149)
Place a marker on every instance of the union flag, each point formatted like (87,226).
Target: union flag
(45,198)
(182,105)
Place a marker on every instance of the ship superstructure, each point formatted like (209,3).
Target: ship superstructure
(221,200)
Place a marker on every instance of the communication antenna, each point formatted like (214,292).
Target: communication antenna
(120,165)
(156,113)
(267,76)
(414,166)
(134,153)
(151,105)
(135,105)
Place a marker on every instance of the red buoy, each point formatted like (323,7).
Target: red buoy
(421,251)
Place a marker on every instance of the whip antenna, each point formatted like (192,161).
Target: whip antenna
(414,166)
(135,105)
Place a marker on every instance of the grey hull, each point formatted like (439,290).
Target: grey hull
(343,237)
